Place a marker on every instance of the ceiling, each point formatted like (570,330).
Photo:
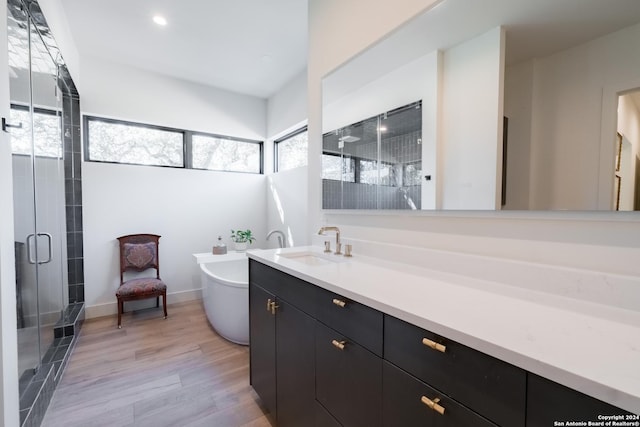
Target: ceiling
(255,47)
(252,47)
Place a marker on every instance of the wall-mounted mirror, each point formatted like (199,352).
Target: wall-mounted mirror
(563,74)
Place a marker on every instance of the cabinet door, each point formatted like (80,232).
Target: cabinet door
(348,380)
(262,336)
(403,404)
(295,350)
(548,402)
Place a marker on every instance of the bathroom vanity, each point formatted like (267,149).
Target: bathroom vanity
(338,342)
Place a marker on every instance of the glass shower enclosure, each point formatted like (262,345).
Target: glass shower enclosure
(35,129)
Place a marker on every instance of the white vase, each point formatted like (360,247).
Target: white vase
(241,246)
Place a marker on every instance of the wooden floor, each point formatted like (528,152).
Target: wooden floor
(156,372)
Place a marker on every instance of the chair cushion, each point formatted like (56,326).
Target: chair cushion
(144,286)
(140,255)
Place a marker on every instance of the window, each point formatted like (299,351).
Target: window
(226,154)
(123,142)
(116,141)
(338,168)
(291,150)
(47,132)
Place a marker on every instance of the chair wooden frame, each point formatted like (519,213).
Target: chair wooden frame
(136,239)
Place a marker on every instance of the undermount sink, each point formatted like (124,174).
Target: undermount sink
(311,258)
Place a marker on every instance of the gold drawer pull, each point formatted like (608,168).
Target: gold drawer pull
(434,345)
(433,404)
(338,344)
(339,303)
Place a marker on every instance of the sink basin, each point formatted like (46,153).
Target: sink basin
(310,258)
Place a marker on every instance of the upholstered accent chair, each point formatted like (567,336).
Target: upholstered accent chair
(139,252)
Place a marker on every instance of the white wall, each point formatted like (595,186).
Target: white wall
(188,208)
(128,93)
(606,241)
(9,404)
(287,206)
(471,155)
(287,190)
(287,108)
(564,121)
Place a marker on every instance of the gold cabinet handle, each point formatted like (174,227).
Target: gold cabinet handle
(434,345)
(338,344)
(339,302)
(274,306)
(269,304)
(433,404)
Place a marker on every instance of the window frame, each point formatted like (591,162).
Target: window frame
(352,160)
(187,141)
(276,163)
(189,145)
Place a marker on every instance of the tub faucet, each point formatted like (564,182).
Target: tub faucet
(282,239)
(337,230)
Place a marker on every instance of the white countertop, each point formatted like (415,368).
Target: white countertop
(586,346)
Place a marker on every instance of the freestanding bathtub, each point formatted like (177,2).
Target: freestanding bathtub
(225,294)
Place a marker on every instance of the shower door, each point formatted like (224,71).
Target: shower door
(38,187)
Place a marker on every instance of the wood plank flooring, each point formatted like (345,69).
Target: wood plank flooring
(156,372)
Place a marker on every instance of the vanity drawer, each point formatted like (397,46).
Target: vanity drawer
(404,404)
(348,379)
(295,291)
(358,322)
(491,387)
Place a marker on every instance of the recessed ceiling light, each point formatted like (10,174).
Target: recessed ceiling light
(160,20)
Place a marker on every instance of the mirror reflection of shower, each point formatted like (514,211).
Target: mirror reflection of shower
(375,163)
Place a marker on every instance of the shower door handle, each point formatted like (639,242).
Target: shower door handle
(6,125)
(29,258)
(49,238)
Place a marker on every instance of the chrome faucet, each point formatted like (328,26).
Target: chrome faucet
(337,230)
(282,239)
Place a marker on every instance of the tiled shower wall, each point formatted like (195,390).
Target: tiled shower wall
(73,187)
(398,150)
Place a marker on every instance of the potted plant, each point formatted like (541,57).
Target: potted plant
(242,238)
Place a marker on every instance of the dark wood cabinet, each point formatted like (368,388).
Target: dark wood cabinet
(319,359)
(348,379)
(549,402)
(491,387)
(409,402)
(282,354)
(262,351)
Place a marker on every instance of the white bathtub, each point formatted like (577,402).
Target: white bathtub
(225,294)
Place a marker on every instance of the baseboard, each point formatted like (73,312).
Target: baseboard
(109,309)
